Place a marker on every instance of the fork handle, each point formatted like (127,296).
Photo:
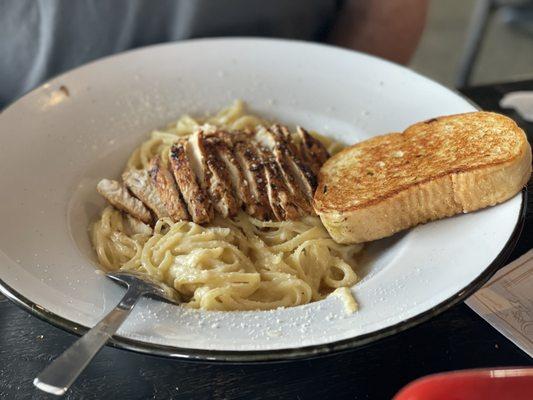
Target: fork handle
(57,377)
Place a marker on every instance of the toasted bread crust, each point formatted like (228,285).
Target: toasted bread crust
(433,187)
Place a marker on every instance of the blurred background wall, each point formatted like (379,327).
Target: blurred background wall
(39,39)
(506,52)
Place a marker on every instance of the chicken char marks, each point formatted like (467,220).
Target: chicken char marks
(165,185)
(139,183)
(186,172)
(219,183)
(271,174)
(287,152)
(252,164)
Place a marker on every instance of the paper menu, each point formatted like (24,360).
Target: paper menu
(506,302)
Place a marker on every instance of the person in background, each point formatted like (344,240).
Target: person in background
(42,38)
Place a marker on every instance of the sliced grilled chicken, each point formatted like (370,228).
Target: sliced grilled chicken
(282,202)
(119,197)
(277,145)
(135,226)
(140,184)
(297,176)
(312,151)
(197,158)
(270,173)
(217,179)
(195,197)
(223,145)
(251,163)
(231,138)
(303,174)
(165,185)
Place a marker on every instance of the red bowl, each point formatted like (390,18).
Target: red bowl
(477,384)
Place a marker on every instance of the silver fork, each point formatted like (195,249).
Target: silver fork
(63,371)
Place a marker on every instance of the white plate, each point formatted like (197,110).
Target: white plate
(60,139)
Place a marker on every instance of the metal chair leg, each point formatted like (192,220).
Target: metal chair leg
(483,11)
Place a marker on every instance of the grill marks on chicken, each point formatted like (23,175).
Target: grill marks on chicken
(286,150)
(139,183)
(283,203)
(312,151)
(118,196)
(271,174)
(274,141)
(194,195)
(252,165)
(222,144)
(165,185)
(218,180)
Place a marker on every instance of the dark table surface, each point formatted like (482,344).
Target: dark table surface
(456,339)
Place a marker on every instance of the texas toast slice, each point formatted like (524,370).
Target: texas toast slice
(434,169)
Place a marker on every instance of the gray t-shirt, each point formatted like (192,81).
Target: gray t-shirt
(41,38)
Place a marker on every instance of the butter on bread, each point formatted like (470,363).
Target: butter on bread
(434,169)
